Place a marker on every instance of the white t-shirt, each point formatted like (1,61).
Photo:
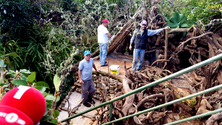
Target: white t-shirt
(102,34)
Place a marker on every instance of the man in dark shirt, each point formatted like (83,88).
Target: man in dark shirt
(140,38)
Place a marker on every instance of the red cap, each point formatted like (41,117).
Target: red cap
(105,21)
(28,100)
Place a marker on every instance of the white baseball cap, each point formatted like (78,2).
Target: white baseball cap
(144,22)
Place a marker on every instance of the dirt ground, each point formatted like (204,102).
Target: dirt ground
(116,59)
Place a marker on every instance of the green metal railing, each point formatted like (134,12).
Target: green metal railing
(166,104)
(208,61)
(195,117)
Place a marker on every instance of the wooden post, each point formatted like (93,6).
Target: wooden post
(166,43)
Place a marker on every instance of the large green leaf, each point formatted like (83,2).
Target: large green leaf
(53,121)
(12,54)
(25,71)
(175,18)
(11,72)
(185,25)
(56,82)
(31,77)
(50,97)
(172,25)
(19,82)
(45,94)
(2,84)
(177,21)
(58,98)
(40,88)
(55,113)
(42,84)
(183,18)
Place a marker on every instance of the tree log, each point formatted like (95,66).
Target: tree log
(130,99)
(178,30)
(214,118)
(148,97)
(120,79)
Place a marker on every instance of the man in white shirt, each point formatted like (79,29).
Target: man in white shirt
(103,35)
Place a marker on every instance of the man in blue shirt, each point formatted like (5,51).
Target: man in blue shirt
(140,37)
(85,78)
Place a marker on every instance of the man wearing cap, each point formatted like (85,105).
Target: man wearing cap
(140,37)
(103,35)
(85,78)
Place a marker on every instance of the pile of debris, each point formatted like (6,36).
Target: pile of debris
(173,54)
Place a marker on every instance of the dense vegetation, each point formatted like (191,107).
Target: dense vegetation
(46,36)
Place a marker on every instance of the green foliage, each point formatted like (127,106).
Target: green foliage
(197,12)
(50,115)
(18,82)
(57,82)
(177,21)
(59,52)
(15,19)
(21,35)
(203,10)
(71,5)
(5,57)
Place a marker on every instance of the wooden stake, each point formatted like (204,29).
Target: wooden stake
(166,43)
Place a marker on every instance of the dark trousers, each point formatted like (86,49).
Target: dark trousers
(88,90)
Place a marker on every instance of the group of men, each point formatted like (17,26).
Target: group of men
(139,39)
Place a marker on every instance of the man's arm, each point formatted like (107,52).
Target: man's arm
(109,35)
(132,40)
(153,32)
(79,74)
(94,66)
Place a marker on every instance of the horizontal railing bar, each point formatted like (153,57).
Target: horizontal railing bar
(195,117)
(198,65)
(166,104)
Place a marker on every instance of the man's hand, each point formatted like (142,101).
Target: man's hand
(130,47)
(166,28)
(96,70)
(80,81)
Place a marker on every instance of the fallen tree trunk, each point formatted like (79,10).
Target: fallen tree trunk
(214,118)
(110,75)
(130,99)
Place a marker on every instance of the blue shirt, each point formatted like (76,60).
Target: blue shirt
(149,33)
(86,69)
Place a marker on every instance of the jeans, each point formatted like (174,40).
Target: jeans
(138,53)
(87,90)
(103,52)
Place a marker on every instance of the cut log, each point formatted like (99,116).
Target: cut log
(214,118)
(130,99)
(110,75)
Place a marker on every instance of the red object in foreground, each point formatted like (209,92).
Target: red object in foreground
(28,100)
(12,116)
